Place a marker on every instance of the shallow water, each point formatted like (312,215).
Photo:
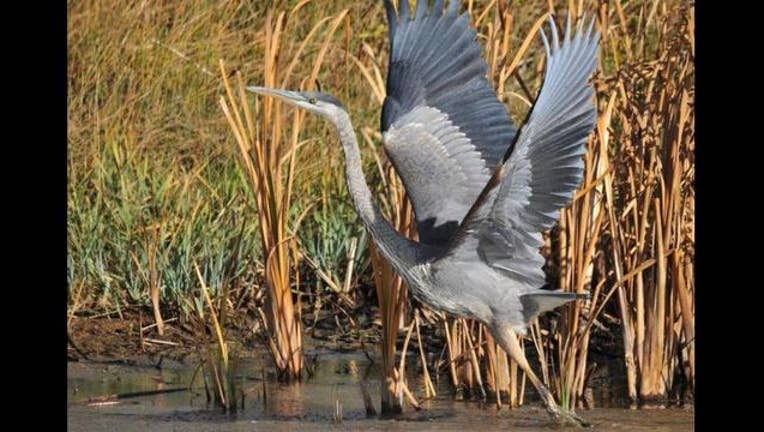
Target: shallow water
(310,405)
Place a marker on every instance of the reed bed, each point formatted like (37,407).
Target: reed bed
(651,202)
(174,168)
(269,161)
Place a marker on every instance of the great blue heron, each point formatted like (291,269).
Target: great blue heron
(482,193)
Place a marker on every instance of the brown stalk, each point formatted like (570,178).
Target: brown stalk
(270,163)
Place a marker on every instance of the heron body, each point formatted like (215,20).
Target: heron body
(482,191)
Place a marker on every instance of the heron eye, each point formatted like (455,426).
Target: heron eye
(312,100)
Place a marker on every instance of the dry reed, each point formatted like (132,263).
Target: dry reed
(392,295)
(651,205)
(215,359)
(269,161)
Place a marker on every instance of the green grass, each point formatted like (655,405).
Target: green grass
(198,208)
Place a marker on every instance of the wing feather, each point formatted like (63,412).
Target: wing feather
(543,170)
(440,111)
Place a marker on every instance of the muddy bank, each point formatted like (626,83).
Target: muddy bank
(133,338)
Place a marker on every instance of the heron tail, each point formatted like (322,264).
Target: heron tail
(540,301)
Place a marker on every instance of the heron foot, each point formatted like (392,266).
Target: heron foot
(566,418)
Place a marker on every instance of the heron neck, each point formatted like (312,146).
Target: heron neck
(400,251)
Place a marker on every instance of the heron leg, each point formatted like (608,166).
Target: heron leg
(508,340)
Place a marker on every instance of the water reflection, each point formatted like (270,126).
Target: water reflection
(312,403)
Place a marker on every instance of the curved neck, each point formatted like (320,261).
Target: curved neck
(400,251)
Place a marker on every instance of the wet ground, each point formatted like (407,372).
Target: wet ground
(150,404)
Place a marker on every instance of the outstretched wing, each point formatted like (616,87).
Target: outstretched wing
(543,170)
(443,127)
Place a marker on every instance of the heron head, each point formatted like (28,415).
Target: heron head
(315,102)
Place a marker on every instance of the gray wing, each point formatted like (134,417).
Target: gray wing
(543,170)
(443,127)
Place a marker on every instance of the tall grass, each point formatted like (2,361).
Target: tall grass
(151,187)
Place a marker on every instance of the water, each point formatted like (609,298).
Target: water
(310,405)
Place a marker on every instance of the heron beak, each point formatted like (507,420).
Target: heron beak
(285,95)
